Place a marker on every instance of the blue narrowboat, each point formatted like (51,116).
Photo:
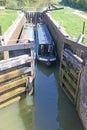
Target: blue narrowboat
(46,47)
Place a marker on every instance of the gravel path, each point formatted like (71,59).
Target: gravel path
(79,14)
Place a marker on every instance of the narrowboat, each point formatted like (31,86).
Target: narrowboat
(27,34)
(46,47)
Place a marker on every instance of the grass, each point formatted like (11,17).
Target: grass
(6,18)
(72,23)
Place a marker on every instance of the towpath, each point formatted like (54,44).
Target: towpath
(79,14)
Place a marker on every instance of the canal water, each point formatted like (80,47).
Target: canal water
(47,109)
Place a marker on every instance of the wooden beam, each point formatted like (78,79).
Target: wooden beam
(69,79)
(14,62)
(69,89)
(68,94)
(11,94)
(17,46)
(14,74)
(70,70)
(12,84)
(32,63)
(75,44)
(10,102)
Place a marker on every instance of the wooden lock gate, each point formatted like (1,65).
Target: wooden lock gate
(16,73)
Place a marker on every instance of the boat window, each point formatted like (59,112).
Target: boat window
(41,49)
(46,50)
(50,48)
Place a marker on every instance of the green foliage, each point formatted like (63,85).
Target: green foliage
(34,4)
(82,4)
(11,4)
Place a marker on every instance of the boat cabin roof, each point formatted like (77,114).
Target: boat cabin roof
(31,34)
(27,32)
(44,35)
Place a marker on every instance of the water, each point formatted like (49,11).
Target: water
(47,109)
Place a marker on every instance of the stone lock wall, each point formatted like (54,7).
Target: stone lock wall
(71,55)
(57,32)
(82,98)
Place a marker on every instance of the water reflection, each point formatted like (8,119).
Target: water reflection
(10,118)
(26,112)
(45,99)
(47,71)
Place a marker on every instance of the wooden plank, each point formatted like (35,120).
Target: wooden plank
(11,94)
(71,57)
(75,44)
(13,59)
(14,74)
(68,95)
(71,71)
(12,84)
(69,89)
(10,102)
(74,85)
(32,63)
(14,62)
(17,46)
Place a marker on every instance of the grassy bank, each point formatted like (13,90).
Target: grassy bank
(72,23)
(6,18)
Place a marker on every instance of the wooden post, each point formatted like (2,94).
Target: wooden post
(0,30)
(6,54)
(1,53)
(32,62)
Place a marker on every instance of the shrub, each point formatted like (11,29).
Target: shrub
(11,4)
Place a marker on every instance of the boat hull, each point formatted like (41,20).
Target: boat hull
(47,60)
